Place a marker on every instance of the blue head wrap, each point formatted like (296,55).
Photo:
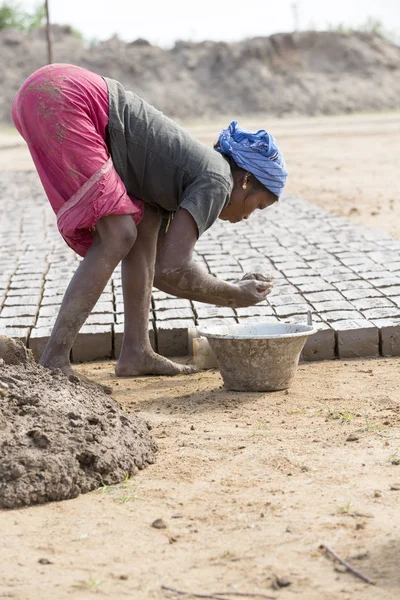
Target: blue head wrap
(257,153)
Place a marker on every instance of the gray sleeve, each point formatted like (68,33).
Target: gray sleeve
(204,199)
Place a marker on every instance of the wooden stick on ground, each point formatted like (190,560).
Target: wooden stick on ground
(245,595)
(217,595)
(347,565)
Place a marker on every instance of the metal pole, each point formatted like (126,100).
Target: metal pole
(48,34)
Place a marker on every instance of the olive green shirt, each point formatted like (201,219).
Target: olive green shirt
(161,163)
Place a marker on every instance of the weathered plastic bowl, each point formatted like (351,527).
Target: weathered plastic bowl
(259,357)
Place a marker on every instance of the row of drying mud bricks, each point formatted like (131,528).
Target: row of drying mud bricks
(34,293)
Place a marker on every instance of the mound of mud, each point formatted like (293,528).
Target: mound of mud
(60,438)
(302,73)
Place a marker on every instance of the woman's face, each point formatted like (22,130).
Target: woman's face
(244,202)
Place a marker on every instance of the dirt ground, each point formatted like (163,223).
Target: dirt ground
(248,485)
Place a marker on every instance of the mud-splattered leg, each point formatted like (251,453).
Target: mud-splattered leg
(137,356)
(114,237)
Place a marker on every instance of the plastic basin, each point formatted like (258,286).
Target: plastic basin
(259,357)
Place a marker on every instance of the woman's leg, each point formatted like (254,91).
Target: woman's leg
(137,356)
(115,235)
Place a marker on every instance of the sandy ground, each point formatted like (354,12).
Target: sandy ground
(248,485)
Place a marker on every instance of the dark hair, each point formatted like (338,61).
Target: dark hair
(257,185)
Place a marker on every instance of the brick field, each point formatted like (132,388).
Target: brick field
(346,275)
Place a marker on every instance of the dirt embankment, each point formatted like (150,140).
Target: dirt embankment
(304,73)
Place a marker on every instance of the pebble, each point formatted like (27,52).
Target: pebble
(159,524)
(352,438)
(395,487)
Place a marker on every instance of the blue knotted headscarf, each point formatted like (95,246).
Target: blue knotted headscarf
(257,153)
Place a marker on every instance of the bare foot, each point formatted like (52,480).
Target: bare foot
(61,365)
(151,364)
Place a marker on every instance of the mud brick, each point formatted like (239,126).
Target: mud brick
(172,303)
(174,314)
(55,291)
(303,319)
(293,273)
(34,284)
(119,332)
(283,288)
(13,312)
(292,309)
(393,267)
(386,282)
(389,330)
(100,319)
(333,271)
(356,338)
(358,284)
(255,319)
(52,300)
(320,265)
(341,315)
(36,270)
(358,261)
(25,278)
(361,294)
(255,311)
(56,283)
(24,292)
(393,290)
(103,308)
(172,337)
(93,342)
(292,265)
(384,258)
(278,299)
(224,268)
(16,322)
(49,311)
(332,305)
(120,317)
(314,285)
(375,274)
(324,297)
(46,321)
(340,277)
(38,339)
(22,300)
(17,333)
(159,295)
(320,345)
(381,313)
(366,303)
(214,312)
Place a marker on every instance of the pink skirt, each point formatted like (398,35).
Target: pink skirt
(62,113)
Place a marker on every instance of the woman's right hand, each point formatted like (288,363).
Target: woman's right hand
(249,292)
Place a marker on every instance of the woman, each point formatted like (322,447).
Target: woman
(112,167)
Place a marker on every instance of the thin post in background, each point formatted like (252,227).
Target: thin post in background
(296,15)
(48,34)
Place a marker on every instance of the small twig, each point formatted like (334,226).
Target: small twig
(347,565)
(181,593)
(217,595)
(246,595)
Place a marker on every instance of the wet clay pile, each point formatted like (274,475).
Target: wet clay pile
(59,436)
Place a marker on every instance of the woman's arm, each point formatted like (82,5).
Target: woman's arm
(178,274)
